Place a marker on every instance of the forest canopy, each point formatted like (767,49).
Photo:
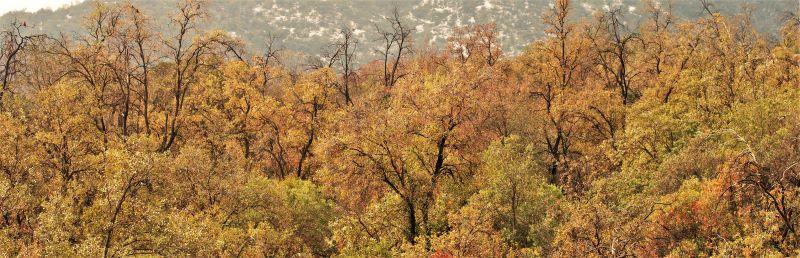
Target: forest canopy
(668,137)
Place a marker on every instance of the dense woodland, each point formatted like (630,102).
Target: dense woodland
(665,138)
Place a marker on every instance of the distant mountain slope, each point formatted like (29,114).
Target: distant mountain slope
(309,25)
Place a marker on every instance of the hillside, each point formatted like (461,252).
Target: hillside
(309,26)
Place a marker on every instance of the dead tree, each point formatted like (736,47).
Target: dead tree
(14,42)
(143,56)
(615,41)
(396,43)
(341,55)
(267,59)
(345,56)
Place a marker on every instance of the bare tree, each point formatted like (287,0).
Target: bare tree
(345,55)
(144,55)
(396,43)
(14,40)
(330,56)
(270,57)
(341,54)
(615,41)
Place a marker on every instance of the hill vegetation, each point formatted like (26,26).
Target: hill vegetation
(308,27)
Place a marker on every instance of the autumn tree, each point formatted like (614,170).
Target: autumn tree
(621,135)
(479,41)
(418,140)
(188,56)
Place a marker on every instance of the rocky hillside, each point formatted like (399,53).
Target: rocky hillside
(309,25)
